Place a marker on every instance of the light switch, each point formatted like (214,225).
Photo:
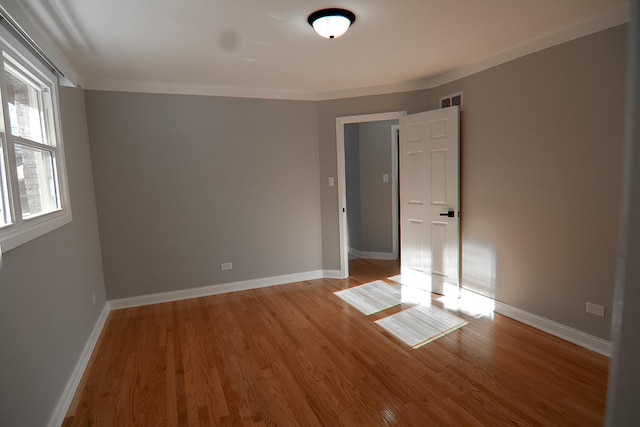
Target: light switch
(385,177)
(332,181)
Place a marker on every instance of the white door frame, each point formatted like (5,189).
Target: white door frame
(342,188)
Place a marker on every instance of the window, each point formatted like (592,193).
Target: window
(33,191)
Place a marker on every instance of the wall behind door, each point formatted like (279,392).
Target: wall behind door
(352,176)
(376,202)
(369,202)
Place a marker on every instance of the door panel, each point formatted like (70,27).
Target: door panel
(429,196)
(438,177)
(413,189)
(438,247)
(412,243)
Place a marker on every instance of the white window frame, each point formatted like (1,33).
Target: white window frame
(21,230)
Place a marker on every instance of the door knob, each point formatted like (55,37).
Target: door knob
(450,214)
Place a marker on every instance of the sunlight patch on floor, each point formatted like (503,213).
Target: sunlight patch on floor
(413,278)
(371,297)
(420,325)
(470,303)
(424,316)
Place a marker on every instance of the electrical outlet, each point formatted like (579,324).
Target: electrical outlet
(595,309)
(93,298)
(226,266)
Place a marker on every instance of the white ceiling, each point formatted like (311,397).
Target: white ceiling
(266,48)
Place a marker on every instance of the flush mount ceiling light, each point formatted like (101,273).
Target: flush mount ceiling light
(331,23)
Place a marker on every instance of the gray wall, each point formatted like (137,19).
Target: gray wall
(376,201)
(185,183)
(541,155)
(46,312)
(541,175)
(369,203)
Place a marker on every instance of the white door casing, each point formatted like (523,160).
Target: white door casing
(430,198)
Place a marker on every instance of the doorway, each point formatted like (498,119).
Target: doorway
(430,197)
(341,123)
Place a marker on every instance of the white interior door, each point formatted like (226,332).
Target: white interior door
(430,199)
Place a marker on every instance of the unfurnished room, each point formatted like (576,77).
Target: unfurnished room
(354,213)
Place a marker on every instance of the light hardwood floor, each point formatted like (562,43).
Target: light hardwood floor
(296,355)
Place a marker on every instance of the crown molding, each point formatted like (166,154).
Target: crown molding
(608,20)
(192,89)
(612,19)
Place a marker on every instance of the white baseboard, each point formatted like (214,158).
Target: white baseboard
(372,255)
(205,291)
(332,274)
(559,330)
(60,411)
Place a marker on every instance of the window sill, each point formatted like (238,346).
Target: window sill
(12,238)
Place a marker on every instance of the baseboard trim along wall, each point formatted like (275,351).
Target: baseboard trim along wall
(559,330)
(205,291)
(372,255)
(60,411)
(332,274)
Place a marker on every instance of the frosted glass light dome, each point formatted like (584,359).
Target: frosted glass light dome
(331,23)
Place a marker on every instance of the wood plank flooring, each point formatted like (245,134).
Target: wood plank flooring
(296,355)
